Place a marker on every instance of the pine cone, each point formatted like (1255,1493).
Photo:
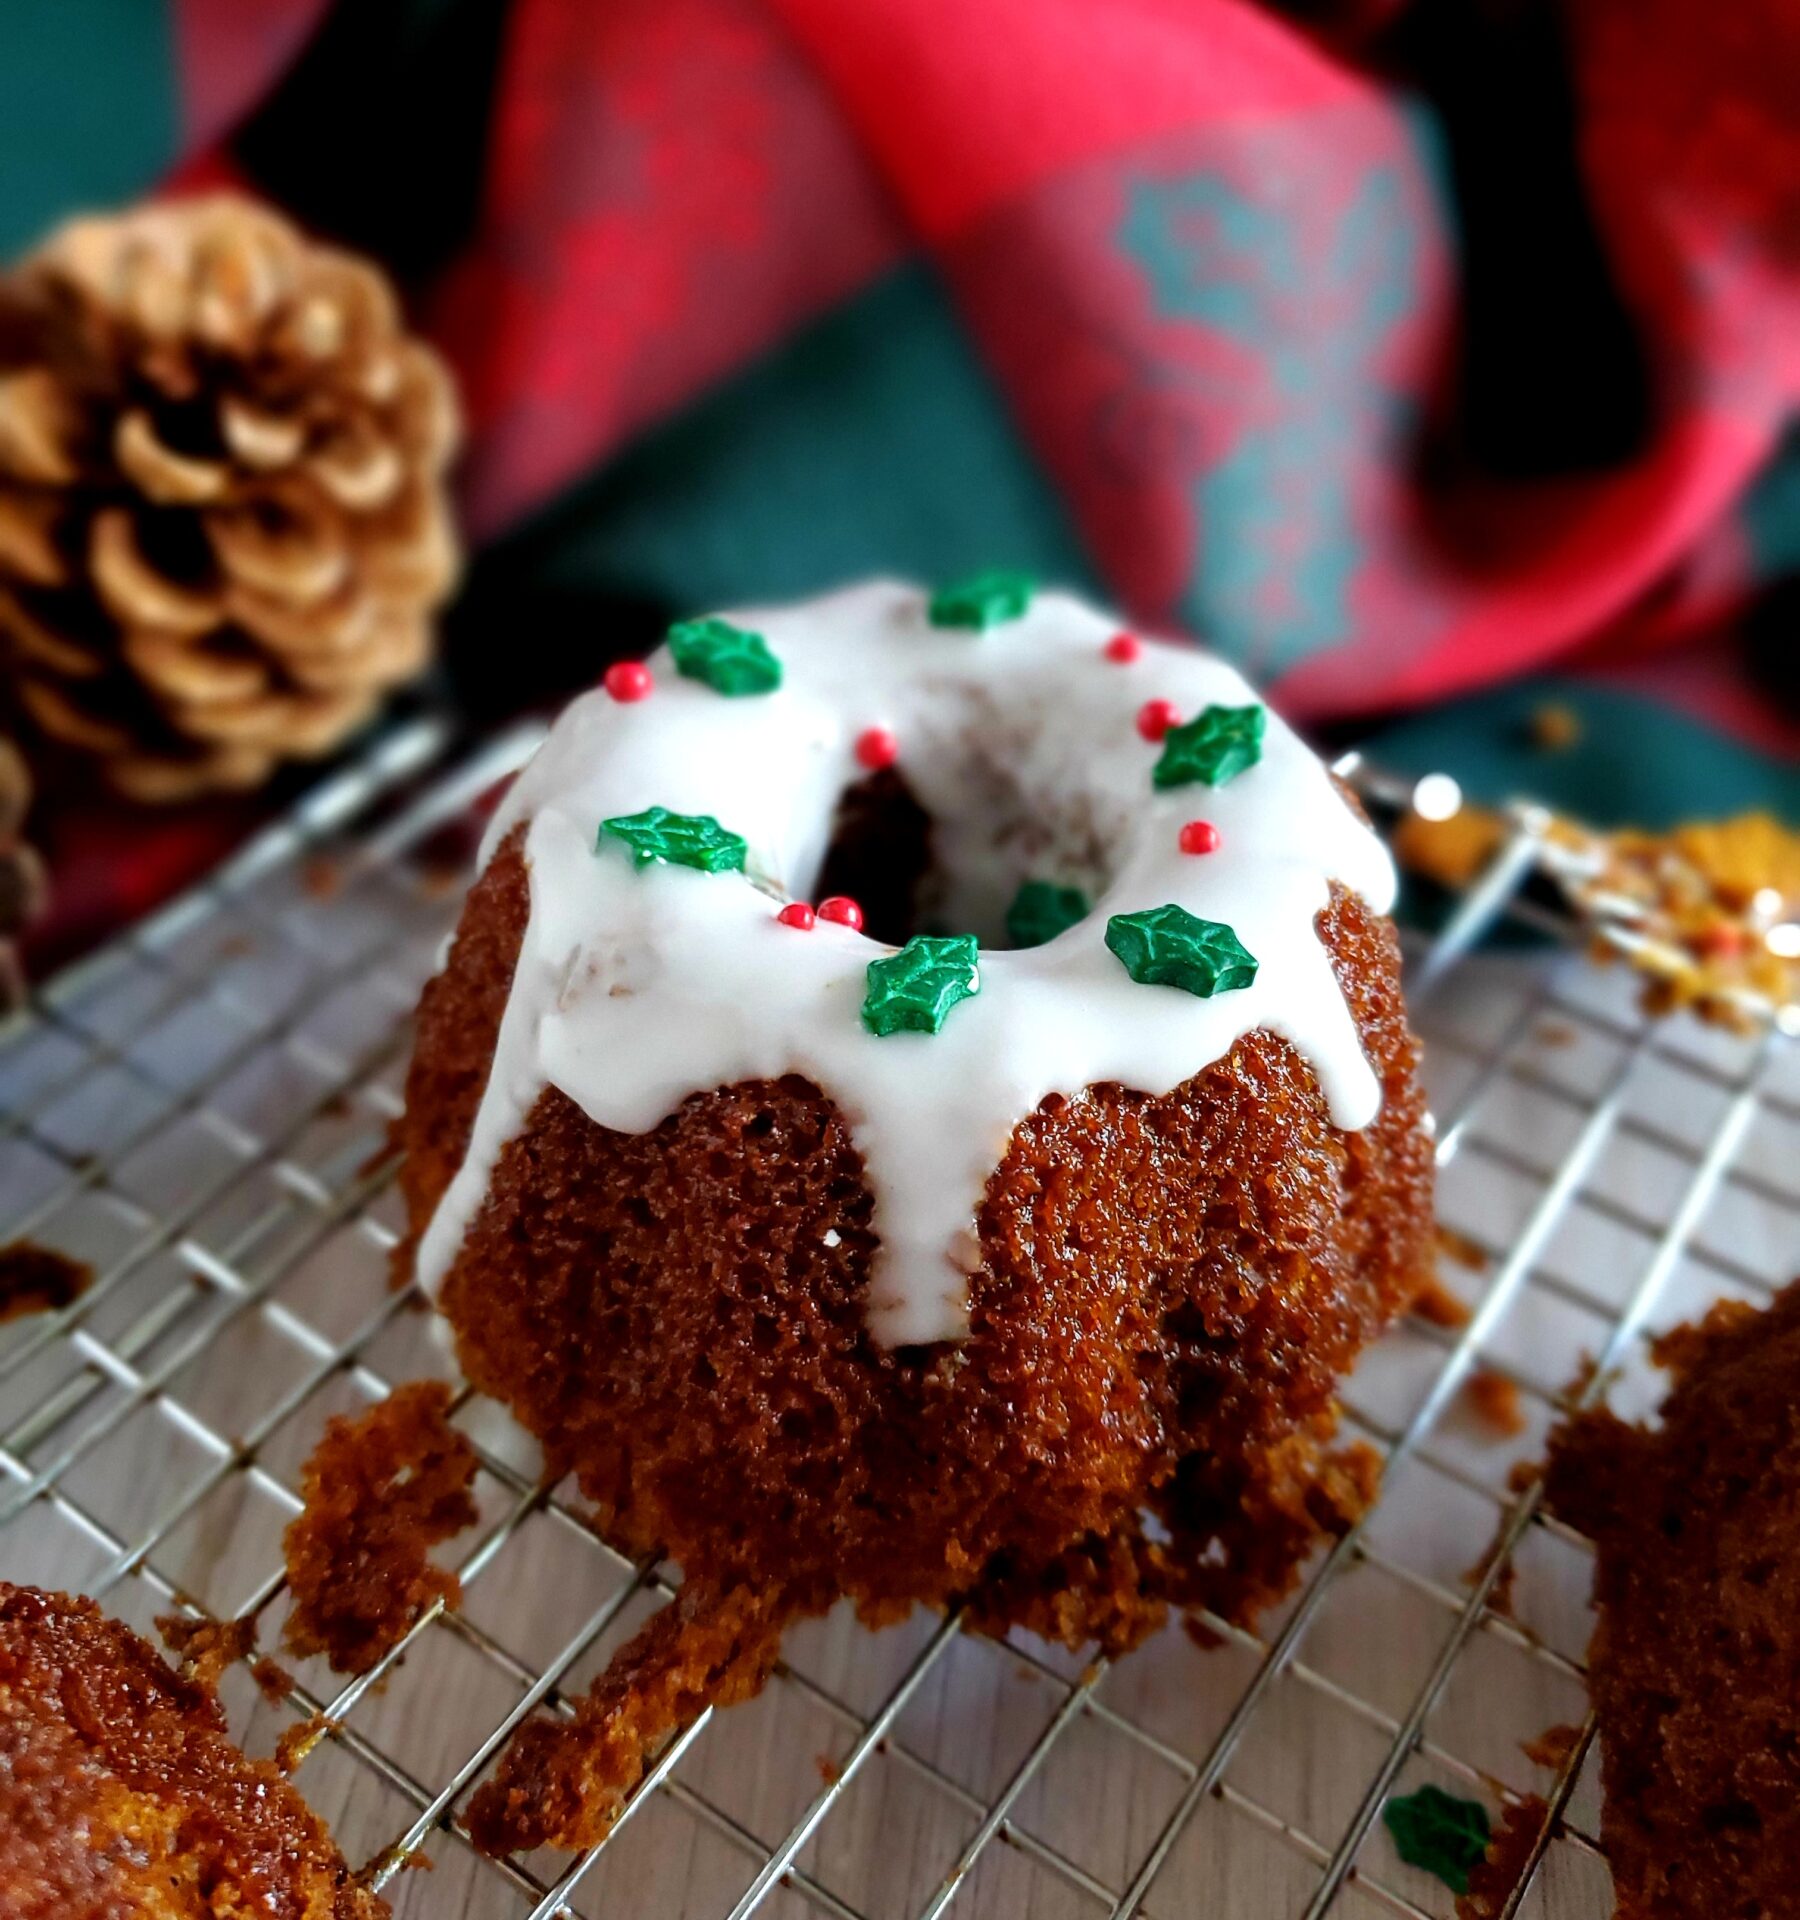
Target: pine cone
(21,873)
(223,528)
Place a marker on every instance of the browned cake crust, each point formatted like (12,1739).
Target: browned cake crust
(1170,1289)
(378,1492)
(121,1797)
(1694,1667)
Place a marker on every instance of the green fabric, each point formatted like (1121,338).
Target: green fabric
(1637,762)
(873,442)
(88,109)
(1771,512)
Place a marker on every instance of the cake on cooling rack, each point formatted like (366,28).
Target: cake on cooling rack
(1010,1264)
(120,1792)
(1695,1657)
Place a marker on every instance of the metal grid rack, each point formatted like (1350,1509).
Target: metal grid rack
(194,1113)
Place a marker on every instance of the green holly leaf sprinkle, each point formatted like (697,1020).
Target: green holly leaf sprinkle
(685,839)
(731,660)
(1435,1830)
(982,602)
(1041,910)
(912,991)
(1215,746)
(1170,947)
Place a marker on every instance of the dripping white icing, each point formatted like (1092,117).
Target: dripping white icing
(636,988)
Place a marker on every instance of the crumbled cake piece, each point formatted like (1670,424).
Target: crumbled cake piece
(273,1681)
(1461,1247)
(1496,1402)
(1554,1748)
(1721,899)
(1708,912)
(1493,1877)
(205,1648)
(1451,851)
(38,1279)
(1437,1306)
(562,1782)
(379,1490)
(122,1795)
(1555,727)
(295,1742)
(1694,1668)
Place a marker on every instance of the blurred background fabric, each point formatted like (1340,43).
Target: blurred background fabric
(1434,359)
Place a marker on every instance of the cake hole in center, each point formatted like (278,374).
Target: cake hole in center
(913,873)
(880,855)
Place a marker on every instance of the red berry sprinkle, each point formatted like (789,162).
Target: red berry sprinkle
(1156,717)
(1124,648)
(876,748)
(841,908)
(797,914)
(1199,836)
(628,680)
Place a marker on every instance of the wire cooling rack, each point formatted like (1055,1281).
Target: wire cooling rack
(195,1113)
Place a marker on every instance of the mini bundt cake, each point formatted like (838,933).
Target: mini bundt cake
(993,1233)
(1694,1665)
(122,1794)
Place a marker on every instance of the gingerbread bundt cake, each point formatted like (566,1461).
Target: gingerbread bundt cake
(1696,1647)
(1012,1263)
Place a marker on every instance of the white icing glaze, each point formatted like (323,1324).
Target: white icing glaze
(636,988)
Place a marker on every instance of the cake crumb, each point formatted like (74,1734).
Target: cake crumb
(1503,1866)
(294,1743)
(321,877)
(205,1648)
(1450,852)
(1461,1247)
(1502,1595)
(1435,1304)
(1713,906)
(1500,1599)
(38,1279)
(1555,727)
(273,1681)
(439,879)
(1718,900)
(1554,1748)
(1496,1401)
(1523,1475)
(379,1491)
